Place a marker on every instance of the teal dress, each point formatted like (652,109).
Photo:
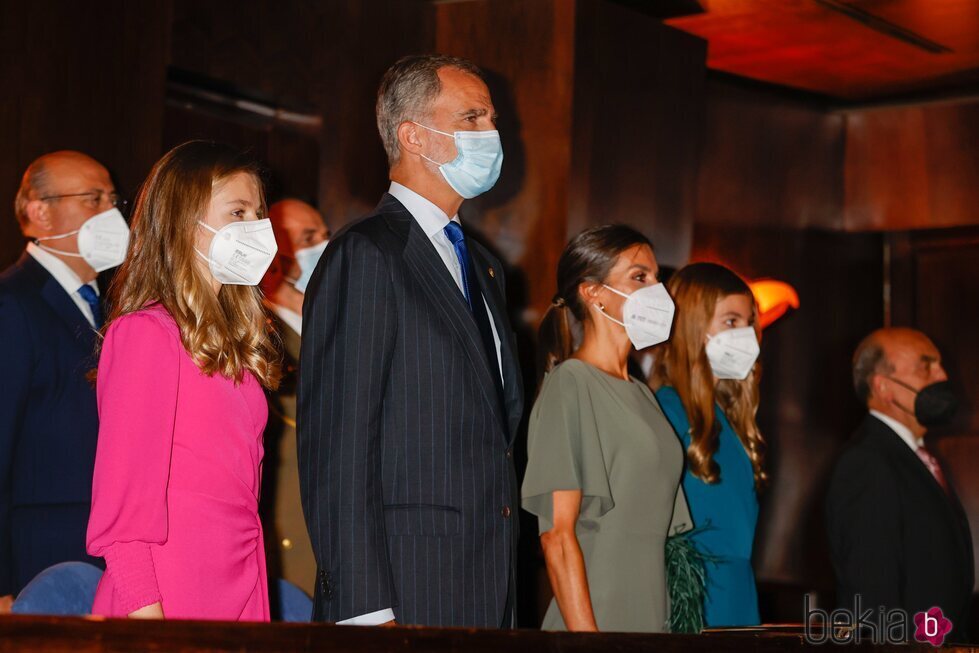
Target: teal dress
(729,511)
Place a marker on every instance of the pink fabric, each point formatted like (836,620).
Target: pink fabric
(932,464)
(177,477)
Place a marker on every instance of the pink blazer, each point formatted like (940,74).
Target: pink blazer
(177,478)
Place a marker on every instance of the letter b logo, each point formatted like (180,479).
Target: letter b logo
(931,626)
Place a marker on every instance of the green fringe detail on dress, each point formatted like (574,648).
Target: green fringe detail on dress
(686,580)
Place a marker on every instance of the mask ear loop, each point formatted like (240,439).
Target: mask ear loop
(432,129)
(59,236)
(54,250)
(908,388)
(601,306)
(207,259)
(61,252)
(601,309)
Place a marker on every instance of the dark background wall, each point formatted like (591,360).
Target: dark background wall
(85,76)
(606,115)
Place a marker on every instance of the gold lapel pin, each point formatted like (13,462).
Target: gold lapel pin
(491,273)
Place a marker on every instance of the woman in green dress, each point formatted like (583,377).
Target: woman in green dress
(604,465)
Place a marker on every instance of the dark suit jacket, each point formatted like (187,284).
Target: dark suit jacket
(48,424)
(405,451)
(896,537)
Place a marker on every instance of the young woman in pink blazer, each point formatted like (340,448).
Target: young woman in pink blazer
(183,368)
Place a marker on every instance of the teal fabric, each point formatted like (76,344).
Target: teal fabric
(727,512)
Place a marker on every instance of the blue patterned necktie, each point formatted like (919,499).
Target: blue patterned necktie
(474,296)
(92,298)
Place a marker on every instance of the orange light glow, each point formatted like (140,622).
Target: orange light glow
(774,299)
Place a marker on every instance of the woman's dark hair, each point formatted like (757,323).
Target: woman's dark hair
(589,257)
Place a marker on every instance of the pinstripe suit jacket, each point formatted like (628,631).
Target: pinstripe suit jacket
(405,460)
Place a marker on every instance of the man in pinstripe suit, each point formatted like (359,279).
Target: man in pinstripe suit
(410,392)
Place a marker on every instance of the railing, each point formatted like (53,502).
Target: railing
(94,635)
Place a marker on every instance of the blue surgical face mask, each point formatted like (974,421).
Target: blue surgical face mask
(477,164)
(307,258)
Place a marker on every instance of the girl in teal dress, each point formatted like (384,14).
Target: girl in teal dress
(706,377)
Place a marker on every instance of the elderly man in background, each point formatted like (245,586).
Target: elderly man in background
(50,311)
(898,534)
(302,236)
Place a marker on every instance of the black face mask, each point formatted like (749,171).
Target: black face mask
(935,404)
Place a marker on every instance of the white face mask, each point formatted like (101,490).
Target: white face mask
(102,240)
(648,314)
(733,352)
(307,258)
(241,252)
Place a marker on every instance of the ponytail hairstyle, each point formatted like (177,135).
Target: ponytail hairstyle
(589,257)
(681,362)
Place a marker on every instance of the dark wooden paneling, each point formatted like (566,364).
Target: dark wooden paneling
(83,76)
(934,286)
(362,40)
(769,161)
(322,57)
(637,127)
(290,158)
(808,409)
(912,167)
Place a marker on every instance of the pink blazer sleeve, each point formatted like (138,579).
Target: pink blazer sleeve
(137,398)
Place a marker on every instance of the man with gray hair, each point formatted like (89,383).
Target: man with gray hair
(50,311)
(898,535)
(409,391)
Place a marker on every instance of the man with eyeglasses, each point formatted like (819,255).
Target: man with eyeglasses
(50,311)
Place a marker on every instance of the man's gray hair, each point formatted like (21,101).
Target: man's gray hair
(33,185)
(869,359)
(407,91)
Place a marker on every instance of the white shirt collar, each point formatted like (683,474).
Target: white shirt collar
(903,431)
(292,319)
(58,269)
(429,217)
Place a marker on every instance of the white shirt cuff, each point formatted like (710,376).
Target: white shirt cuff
(370,619)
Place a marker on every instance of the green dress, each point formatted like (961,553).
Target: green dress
(607,437)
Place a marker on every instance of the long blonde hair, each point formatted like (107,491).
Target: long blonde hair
(226,333)
(682,363)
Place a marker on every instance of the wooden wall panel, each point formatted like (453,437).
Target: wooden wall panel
(84,76)
(638,116)
(934,281)
(323,57)
(912,167)
(769,160)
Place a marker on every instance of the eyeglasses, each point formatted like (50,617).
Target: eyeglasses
(93,199)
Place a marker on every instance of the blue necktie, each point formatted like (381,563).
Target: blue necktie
(474,296)
(92,298)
